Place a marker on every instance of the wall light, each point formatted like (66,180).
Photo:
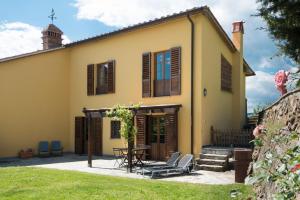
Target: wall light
(205,92)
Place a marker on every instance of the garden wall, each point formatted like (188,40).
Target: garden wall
(285,111)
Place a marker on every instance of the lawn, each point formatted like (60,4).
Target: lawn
(35,183)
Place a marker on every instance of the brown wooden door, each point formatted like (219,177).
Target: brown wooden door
(157,137)
(97,133)
(81,135)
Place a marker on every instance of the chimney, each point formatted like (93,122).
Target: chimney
(52,37)
(237,35)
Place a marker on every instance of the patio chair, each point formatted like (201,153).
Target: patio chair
(171,162)
(43,150)
(118,156)
(56,148)
(183,167)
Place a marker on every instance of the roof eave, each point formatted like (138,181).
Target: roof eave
(247,69)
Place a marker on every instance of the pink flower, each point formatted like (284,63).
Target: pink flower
(258,130)
(295,168)
(281,77)
(282,89)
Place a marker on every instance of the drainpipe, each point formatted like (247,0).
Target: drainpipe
(192,81)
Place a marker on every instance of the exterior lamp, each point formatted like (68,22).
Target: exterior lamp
(205,92)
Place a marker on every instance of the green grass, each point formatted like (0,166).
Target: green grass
(35,183)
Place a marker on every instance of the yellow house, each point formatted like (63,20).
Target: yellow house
(184,70)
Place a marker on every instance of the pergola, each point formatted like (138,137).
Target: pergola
(143,109)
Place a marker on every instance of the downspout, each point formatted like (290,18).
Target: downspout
(192,81)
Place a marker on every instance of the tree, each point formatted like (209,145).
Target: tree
(283,20)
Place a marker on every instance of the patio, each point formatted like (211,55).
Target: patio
(104,165)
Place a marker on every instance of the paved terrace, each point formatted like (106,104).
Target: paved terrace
(105,166)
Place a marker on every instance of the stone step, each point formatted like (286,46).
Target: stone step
(218,151)
(213,162)
(213,156)
(215,168)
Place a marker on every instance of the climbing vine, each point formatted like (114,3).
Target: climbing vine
(126,116)
(280,163)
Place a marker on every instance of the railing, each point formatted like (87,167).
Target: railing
(231,137)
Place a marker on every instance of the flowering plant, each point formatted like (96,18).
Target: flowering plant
(279,163)
(258,130)
(281,77)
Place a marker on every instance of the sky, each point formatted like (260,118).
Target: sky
(21,23)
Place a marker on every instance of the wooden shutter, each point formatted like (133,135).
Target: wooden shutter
(97,133)
(79,135)
(90,80)
(146,75)
(141,129)
(226,75)
(175,71)
(111,77)
(172,133)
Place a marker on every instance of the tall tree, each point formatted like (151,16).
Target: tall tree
(283,20)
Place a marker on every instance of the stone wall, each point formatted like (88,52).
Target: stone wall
(285,111)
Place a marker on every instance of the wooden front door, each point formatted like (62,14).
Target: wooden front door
(81,135)
(157,137)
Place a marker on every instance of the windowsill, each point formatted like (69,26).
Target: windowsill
(115,138)
(99,94)
(227,91)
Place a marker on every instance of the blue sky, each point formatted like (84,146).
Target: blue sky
(22,21)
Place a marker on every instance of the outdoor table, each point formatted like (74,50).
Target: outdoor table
(138,152)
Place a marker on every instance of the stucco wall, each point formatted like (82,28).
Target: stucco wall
(218,106)
(127,49)
(34,103)
(42,94)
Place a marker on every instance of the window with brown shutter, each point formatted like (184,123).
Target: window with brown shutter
(167,75)
(90,80)
(115,127)
(146,75)
(226,75)
(105,78)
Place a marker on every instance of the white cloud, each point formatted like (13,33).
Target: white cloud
(122,13)
(265,63)
(17,38)
(261,89)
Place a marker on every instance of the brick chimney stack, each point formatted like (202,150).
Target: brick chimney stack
(52,37)
(237,35)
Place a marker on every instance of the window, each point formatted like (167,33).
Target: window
(162,76)
(102,83)
(115,127)
(226,75)
(105,78)
(166,78)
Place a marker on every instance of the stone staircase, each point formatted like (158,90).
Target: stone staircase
(214,159)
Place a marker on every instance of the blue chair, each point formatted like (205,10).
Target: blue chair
(44,149)
(56,148)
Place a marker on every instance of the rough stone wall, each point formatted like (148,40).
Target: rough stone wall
(287,111)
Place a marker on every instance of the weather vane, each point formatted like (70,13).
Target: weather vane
(52,15)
